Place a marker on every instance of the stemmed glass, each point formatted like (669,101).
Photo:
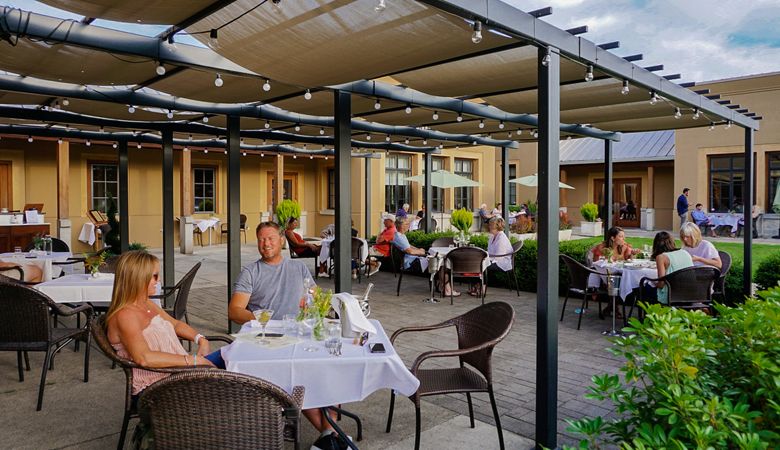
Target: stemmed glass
(264,316)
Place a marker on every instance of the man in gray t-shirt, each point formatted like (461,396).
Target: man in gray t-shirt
(272,282)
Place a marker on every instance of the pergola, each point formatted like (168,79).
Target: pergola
(418,76)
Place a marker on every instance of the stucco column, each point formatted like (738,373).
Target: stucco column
(564,194)
(63,191)
(187,200)
(278,180)
(650,187)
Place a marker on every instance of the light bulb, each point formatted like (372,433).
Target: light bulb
(267,125)
(696,114)
(406,141)
(307,95)
(387,138)
(65,102)
(213,42)
(536,134)
(460,118)
(408,109)
(131,109)
(326,158)
(677,113)
(243,153)
(425,141)
(625,90)
(205,119)
(186,149)
(568,138)
(311,157)
(589,73)
(295,156)
(262,155)
(380,6)
(435,115)
(226,152)
(297,127)
(218,82)
(114,145)
(138,145)
(29,138)
(653,98)
(728,124)
(476,37)
(377,105)
(59,141)
(267,86)
(206,151)
(501,125)
(160,69)
(322,131)
(509,135)
(482,124)
(101,129)
(368,137)
(170,114)
(546,59)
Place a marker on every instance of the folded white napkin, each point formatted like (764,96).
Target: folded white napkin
(354,319)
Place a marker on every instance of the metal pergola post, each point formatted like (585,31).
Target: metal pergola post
(343,150)
(547,264)
(607,186)
(233,143)
(747,258)
(428,200)
(169,277)
(505,188)
(124,209)
(368,198)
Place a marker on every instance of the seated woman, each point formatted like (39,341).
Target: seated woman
(498,244)
(616,242)
(302,248)
(497,210)
(668,258)
(143,332)
(702,252)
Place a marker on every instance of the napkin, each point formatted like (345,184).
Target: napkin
(352,317)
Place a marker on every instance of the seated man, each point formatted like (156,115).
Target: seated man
(484,215)
(275,282)
(382,247)
(414,258)
(700,218)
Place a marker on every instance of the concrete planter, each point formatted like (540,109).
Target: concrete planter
(591,228)
(564,235)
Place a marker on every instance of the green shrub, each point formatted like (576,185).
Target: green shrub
(589,212)
(285,210)
(768,273)
(693,381)
(462,219)
(514,208)
(138,246)
(533,206)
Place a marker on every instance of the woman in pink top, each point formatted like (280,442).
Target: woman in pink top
(142,331)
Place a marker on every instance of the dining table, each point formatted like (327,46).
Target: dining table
(631,273)
(40,259)
(726,220)
(82,288)
(209,224)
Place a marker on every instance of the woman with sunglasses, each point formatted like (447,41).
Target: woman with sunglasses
(140,330)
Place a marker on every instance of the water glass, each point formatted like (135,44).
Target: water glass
(18,251)
(333,342)
(290,326)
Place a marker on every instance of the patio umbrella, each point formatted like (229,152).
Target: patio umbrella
(776,201)
(444,179)
(533,181)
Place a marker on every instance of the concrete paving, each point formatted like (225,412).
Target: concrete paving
(88,415)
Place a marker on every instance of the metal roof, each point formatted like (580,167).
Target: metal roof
(633,147)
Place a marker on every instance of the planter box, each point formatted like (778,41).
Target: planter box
(592,228)
(564,235)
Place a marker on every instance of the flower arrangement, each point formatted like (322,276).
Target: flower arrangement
(317,309)
(462,219)
(93,263)
(607,252)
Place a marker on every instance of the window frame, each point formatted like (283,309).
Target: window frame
(512,186)
(91,194)
(731,183)
(214,197)
(397,193)
(770,186)
(464,194)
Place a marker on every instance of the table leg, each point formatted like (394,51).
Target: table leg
(338,429)
(613,332)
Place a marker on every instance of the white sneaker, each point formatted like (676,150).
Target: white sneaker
(376,269)
(354,276)
(323,275)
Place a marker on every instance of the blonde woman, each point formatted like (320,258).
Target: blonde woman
(702,252)
(140,330)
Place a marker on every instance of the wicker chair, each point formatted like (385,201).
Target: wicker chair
(397,259)
(512,274)
(26,326)
(218,409)
(294,255)
(223,230)
(466,263)
(720,283)
(57,245)
(15,273)
(578,285)
(689,288)
(131,411)
(443,242)
(479,331)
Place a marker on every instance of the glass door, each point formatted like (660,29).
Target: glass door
(626,201)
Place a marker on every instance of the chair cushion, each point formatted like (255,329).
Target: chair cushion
(454,380)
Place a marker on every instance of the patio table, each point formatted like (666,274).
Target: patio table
(207,224)
(42,261)
(725,219)
(631,274)
(82,288)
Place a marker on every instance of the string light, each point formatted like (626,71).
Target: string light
(131,109)
(326,158)
(205,119)
(476,36)
(711,127)
(518,132)
(65,102)
(297,127)
(625,90)
(482,123)
(380,6)
(59,141)
(186,149)
(368,137)
(536,133)
(509,135)
(218,82)
(29,138)
(653,98)
(322,131)
(267,125)
(243,153)
(189,137)
(377,105)
(205,151)
(696,114)
(435,115)
(425,141)
(307,95)
(728,124)
(311,157)
(262,155)
(170,114)
(387,138)
(677,113)
(160,69)
(295,156)
(459,118)
(267,86)
(406,141)
(546,58)
(501,125)
(408,109)
(138,145)
(114,145)
(589,73)
(213,36)
(226,152)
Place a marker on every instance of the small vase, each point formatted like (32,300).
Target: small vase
(318,330)
(95,274)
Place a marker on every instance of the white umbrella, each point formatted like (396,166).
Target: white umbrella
(444,179)
(776,201)
(533,181)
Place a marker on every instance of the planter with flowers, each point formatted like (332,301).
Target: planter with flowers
(592,225)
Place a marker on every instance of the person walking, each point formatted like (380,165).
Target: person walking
(682,206)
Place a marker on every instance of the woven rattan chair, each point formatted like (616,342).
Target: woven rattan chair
(443,242)
(219,409)
(512,274)
(720,283)
(294,255)
(689,288)
(578,285)
(14,273)
(26,326)
(57,245)
(466,263)
(131,411)
(223,229)
(397,258)
(479,331)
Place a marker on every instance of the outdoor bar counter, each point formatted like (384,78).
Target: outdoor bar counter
(19,234)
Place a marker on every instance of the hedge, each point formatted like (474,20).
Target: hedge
(768,273)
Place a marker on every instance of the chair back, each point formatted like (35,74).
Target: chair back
(100,338)
(183,292)
(58,245)
(465,260)
(14,273)
(691,285)
(109,265)
(242,223)
(515,250)
(443,242)
(25,317)
(397,257)
(725,266)
(357,245)
(215,409)
(578,273)
(486,324)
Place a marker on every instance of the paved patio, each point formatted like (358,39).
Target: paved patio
(88,415)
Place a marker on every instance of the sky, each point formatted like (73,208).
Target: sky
(702,40)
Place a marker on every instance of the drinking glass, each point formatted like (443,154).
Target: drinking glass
(18,251)
(289,324)
(264,316)
(333,344)
(309,323)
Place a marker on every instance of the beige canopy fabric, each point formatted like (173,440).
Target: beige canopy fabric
(136,11)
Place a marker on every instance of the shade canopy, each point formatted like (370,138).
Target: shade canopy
(533,181)
(445,179)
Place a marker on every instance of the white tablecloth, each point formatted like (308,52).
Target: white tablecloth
(43,262)
(87,234)
(205,224)
(329,380)
(725,219)
(630,276)
(325,252)
(79,288)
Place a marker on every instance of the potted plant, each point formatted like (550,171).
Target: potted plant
(285,210)
(462,219)
(564,226)
(591,226)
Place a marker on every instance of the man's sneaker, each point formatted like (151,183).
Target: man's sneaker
(376,269)
(328,440)
(354,276)
(323,275)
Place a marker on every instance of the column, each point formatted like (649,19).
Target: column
(368,217)
(428,200)
(607,186)
(278,183)
(124,188)
(63,192)
(186,224)
(233,203)
(169,277)
(747,231)
(505,188)
(343,149)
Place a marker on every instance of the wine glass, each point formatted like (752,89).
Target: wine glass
(264,316)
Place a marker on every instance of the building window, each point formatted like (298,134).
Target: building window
(105,185)
(437,195)
(464,196)
(331,189)
(204,189)
(727,175)
(773,166)
(397,189)
(512,186)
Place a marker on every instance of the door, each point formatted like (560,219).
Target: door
(6,185)
(289,187)
(626,200)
